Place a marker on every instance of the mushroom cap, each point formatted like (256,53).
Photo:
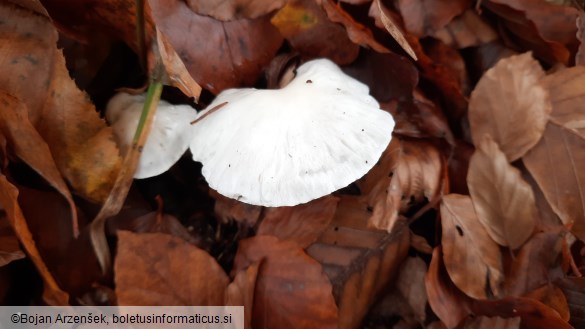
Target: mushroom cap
(289,146)
(169,137)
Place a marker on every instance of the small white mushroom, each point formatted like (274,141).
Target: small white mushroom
(289,146)
(169,137)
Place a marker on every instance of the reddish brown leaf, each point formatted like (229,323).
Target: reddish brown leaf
(356,32)
(567,94)
(359,261)
(410,283)
(287,271)
(29,146)
(562,188)
(53,295)
(534,314)
(484,322)
(159,269)
(241,292)
(35,72)
(306,27)
(536,263)
(511,104)
(554,298)
(379,10)
(234,9)
(407,173)
(472,259)
(449,303)
(219,55)
(423,18)
(466,30)
(9,246)
(580,56)
(227,209)
(503,201)
(301,224)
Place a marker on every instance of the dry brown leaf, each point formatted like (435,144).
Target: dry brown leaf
(159,269)
(52,295)
(359,261)
(472,259)
(484,322)
(567,94)
(449,303)
(227,209)
(503,201)
(9,246)
(466,30)
(554,298)
(218,55)
(390,25)
(175,68)
(534,314)
(301,224)
(580,56)
(30,147)
(235,9)
(356,32)
(240,292)
(35,72)
(554,23)
(410,283)
(423,18)
(291,289)
(562,187)
(511,104)
(306,27)
(536,263)
(407,173)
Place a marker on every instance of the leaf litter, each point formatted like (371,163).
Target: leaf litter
(484,166)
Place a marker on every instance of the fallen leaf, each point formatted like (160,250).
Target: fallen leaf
(358,33)
(235,9)
(52,295)
(301,224)
(410,283)
(535,264)
(447,302)
(466,30)
(407,173)
(484,322)
(227,209)
(219,55)
(287,271)
(452,60)
(567,94)
(35,72)
(563,189)
(390,25)
(29,146)
(158,269)
(534,314)
(511,104)
(359,261)
(574,290)
(9,246)
(240,292)
(423,18)
(580,56)
(306,27)
(553,297)
(503,201)
(472,259)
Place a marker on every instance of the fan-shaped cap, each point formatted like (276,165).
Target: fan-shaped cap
(169,137)
(289,146)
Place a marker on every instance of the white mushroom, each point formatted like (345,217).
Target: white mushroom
(169,137)
(289,146)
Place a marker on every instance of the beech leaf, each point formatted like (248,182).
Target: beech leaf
(472,259)
(567,93)
(503,201)
(511,104)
